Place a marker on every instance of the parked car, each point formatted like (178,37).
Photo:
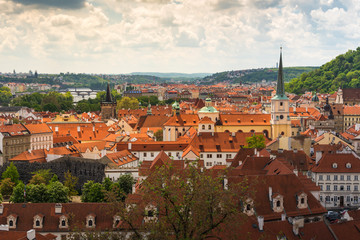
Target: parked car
(332,216)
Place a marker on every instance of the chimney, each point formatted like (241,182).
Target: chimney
(296,172)
(93,128)
(58,208)
(233,134)
(78,128)
(295,150)
(129,146)
(270,193)
(298,222)
(29,150)
(261,223)
(4,227)
(283,217)
(31,234)
(56,129)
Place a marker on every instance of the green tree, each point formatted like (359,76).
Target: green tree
(19,193)
(186,204)
(5,96)
(256,141)
(57,192)
(128,103)
(93,192)
(46,174)
(7,187)
(37,193)
(159,135)
(107,183)
(12,173)
(37,179)
(126,183)
(71,182)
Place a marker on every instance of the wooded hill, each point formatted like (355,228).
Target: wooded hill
(343,71)
(255,75)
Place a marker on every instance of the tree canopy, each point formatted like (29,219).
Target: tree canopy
(343,71)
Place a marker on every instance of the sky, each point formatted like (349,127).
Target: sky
(187,36)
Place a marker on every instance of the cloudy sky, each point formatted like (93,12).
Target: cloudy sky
(122,36)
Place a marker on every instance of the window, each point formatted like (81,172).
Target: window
(328,177)
(11,223)
(348,177)
(327,198)
(335,177)
(228,156)
(203,127)
(218,155)
(341,188)
(321,198)
(152,154)
(209,127)
(209,155)
(356,198)
(302,201)
(342,177)
(63,223)
(348,188)
(90,223)
(356,188)
(209,164)
(320,177)
(334,165)
(335,187)
(327,187)
(321,187)
(277,203)
(281,103)
(37,223)
(348,198)
(356,178)
(144,154)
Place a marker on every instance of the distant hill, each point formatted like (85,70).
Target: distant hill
(173,75)
(255,75)
(343,71)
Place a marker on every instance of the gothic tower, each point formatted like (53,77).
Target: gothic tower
(108,107)
(280,118)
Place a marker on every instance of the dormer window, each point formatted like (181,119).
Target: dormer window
(116,221)
(90,221)
(334,165)
(278,203)
(302,200)
(38,221)
(249,207)
(348,165)
(63,222)
(11,221)
(150,214)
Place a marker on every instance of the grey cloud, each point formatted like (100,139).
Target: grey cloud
(264,4)
(66,4)
(226,4)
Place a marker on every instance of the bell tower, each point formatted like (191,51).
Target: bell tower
(108,107)
(280,118)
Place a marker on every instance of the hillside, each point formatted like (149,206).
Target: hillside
(343,71)
(255,75)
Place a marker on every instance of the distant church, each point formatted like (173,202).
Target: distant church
(108,107)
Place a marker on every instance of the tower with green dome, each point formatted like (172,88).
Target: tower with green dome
(209,111)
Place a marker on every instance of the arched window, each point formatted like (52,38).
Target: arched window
(209,127)
(11,223)
(90,223)
(203,127)
(282,133)
(277,203)
(63,223)
(37,223)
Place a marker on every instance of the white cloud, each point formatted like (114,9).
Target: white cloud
(185,35)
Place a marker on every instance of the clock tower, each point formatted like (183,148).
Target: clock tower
(280,118)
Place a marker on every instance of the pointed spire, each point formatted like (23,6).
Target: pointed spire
(149,112)
(108,94)
(280,92)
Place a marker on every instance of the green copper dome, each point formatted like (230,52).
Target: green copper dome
(176,105)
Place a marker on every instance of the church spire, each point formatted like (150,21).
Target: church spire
(108,94)
(280,91)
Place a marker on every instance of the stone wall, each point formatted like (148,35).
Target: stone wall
(84,169)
